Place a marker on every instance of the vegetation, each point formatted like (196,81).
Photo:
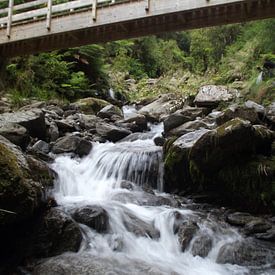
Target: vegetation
(180,62)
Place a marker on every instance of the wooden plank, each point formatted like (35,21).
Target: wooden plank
(49,15)
(9,18)
(94,9)
(55,9)
(24,6)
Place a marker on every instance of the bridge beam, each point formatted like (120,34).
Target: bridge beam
(128,20)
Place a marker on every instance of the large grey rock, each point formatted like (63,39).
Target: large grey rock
(93,216)
(72,144)
(33,120)
(111,132)
(109,111)
(257,226)
(135,122)
(211,95)
(164,105)
(56,233)
(186,232)
(202,245)
(239,218)
(256,107)
(16,134)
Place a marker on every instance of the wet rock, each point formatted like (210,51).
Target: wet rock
(246,253)
(186,232)
(33,120)
(159,141)
(88,264)
(90,105)
(219,147)
(111,132)
(211,95)
(267,236)
(270,115)
(202,246)
(16,134)
(138,136)
(241,112)
(239,218)
(94,216)
(72,144)
(176,161)
(139,227)
(109,111)
(136,123)
(88,121)
(164,105)
(56,233)
(257,226)
(19,192)
(125,184)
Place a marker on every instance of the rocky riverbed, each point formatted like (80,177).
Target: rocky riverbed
(88,179)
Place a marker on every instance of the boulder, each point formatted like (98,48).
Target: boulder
(52,132)
(41,146)
(212,95)
(267,236)
(136,123)
(270,115)
(55,234)
(33,120)
(20,195)
(111,132)
(257,226)
(245,253)
(95,217)
(16,134)
(238,112)
(164,105)
(186,232)
(139,227)
(239,218)
(202,245)
(174,120)
(72,144)
(90,105)
(109,111)
(176,161)
(259,109)
(187,127)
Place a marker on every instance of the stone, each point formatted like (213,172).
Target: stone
(138,227)
(212,95)
(269,235)
(164,105)
(159,141)
(41,146)
(186,232)
(245,253)
(241,112)
(52,132)
(239,218)
(72,144)
(56,233)
(187,127)
(270,115)
(20,195)
(33,120)
(16,134)
(174,120)
(109,111)
(202,246)
(90,105)
(259,109)
(136,122)
(111,132)
(93,216)
(257,226)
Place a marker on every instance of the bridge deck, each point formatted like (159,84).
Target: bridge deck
(81,22)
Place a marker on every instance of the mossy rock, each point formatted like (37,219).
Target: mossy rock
(20,194)
(250,186)
(90,105)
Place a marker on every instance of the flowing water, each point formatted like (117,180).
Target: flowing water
(97,180)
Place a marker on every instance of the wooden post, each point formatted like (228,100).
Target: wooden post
(49,14)
(10,11)
(94,9)
(147,7)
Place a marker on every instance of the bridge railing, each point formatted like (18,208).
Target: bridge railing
(11,13)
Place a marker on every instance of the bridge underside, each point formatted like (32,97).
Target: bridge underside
(146,23)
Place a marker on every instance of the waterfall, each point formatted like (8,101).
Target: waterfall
(97,180)
(259,78)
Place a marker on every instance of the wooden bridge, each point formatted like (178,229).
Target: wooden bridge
(44,25)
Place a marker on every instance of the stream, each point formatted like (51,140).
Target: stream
(141,236)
